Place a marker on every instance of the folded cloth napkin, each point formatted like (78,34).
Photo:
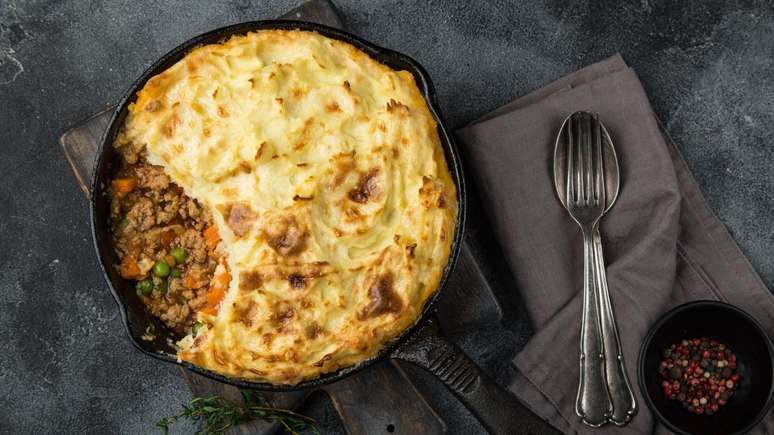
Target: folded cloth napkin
(662,244)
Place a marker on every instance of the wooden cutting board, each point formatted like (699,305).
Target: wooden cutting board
(378,400)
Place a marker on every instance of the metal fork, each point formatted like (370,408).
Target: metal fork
(585,201)
(587,176)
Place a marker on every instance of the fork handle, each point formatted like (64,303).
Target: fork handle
(593,403)
(621,394)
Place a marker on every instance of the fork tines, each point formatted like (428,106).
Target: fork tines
(585,183)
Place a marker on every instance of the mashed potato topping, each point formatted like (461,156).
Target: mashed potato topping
(328,187)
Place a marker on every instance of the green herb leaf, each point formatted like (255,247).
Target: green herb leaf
(217,415)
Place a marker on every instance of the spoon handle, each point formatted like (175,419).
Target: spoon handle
(621,394)
(593,403)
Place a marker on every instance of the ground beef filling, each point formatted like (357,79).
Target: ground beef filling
(165,240)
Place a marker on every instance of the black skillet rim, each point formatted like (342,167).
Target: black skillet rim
(676,311)
(380,54)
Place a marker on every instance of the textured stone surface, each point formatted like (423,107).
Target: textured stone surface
(66,366)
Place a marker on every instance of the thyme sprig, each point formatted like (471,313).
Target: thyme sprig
(217,415)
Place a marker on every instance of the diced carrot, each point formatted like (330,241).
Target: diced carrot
(215,295)
(212,237)
(210,310)
(124,185)
(129,268)
(169,259)
(221,281)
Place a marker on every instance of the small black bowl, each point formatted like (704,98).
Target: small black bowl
(751,401)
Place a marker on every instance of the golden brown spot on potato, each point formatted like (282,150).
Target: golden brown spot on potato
(252,83)
(396,238)
(290,355)
(382,127)
(249,280)
(267,338)
(153,106)
(317,61)
(382,299)
(297,93)
(215,93)
(347,86)
(153,81)
(239,217)
(170,126)
(245,167)
(302,198)
(312,330)
(431,193)
(410,249)
(219,357)
(272,75)
(305,304)
(222,112)
(260,373)
(367,187)
(285,235)
(395,153)
(297,281)
(305,135)
(332,107)
(352,214)
(282,316)
(261,148)
(302,165)
(394,106)
(246,314)
(342,164)
(229,192)
(337,232)
(323,360)
(191,66)
(442,199)
(206,132)
(279,100)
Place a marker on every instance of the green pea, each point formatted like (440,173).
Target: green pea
(123,222)
(197,327)
(145,287)
(162,286)
(161,269)
(179,254)
(176,273)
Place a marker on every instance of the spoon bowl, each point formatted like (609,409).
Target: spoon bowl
(609,159)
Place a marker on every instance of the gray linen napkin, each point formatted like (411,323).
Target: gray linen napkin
(663,246)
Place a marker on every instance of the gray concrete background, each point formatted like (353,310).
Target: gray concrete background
(65,364)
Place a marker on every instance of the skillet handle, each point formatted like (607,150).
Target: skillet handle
(497,409)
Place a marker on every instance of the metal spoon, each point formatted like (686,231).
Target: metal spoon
(600,176)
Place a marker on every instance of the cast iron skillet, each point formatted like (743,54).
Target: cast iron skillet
(419,344)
